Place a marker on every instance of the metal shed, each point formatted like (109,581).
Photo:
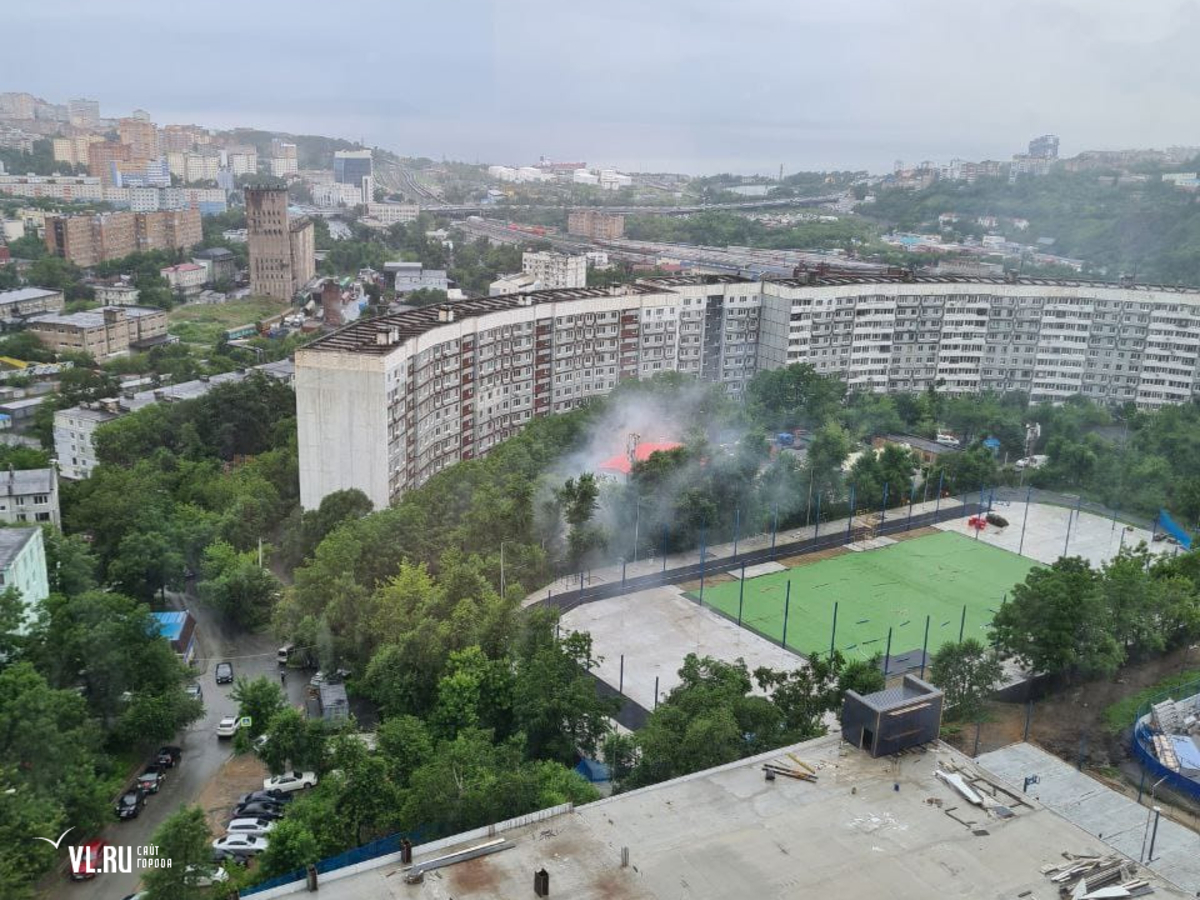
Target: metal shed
(893,719)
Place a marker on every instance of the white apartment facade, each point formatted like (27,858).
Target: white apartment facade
(29,497)
(554,271)
(386,403)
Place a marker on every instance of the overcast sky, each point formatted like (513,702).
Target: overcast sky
(647,85)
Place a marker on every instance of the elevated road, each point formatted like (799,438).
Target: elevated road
(493,209)
(752,262)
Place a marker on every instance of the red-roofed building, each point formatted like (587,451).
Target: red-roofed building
(620,465)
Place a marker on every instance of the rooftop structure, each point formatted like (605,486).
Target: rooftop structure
(861,826)
(894,719)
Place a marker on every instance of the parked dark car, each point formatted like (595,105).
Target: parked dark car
(225,673)
(131,804)
(151,779)
(169,757)
(276,797)
(258,810)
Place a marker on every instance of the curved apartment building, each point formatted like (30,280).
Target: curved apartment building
(385,403)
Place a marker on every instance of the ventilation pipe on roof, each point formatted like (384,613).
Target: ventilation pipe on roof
(541,883)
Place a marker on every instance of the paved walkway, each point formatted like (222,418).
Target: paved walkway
(633,569)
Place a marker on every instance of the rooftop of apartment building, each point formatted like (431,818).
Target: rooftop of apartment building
(12,542)
(26,481)
(930,822)
(379,336)
(842,277)
(93,318)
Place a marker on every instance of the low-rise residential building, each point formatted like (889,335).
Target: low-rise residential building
(102,333)
(555,271)
(74,429)
(29,496)
(69,188)
(23,566)
(219,264)
(336,194)
(28,301)
(393,213)
(512,284)
(187,278)
(19,412)
(116,294)
(412,276)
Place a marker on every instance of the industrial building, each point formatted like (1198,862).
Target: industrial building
(101,333)
(22,302)
(816,819)
(282,250)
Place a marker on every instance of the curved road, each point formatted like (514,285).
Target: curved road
(203,755)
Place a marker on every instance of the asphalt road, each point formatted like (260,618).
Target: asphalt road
(252,655)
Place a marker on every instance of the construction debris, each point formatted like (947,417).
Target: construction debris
(957,782)
(775,769)
(1086,877)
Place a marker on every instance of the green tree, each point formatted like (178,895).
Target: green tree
(406,745)
(555,703)
(236,585)
(260,699)
(292,846)
(183,839)
(294,742)
(967,672)
(1058,621)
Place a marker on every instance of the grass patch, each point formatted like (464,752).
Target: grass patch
(205,323)
(1119,715)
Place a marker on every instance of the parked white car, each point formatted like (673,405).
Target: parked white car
(204,876)
(1031,462)
(240,845)
(255,827)
(290,781)
(227,727)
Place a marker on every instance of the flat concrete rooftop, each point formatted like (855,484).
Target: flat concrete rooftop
(866,827)
(1096,809)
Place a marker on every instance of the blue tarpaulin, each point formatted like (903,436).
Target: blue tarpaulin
(1171,527)
(593,770)
(1187,753)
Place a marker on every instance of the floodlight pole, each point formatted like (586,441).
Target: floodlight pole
(887,656)
(850,521)
(787,603)
(833,633)
(741,593)
(883,511)
(1025,520)
(924,646)
(817,533)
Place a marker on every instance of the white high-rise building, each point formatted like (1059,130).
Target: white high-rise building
(385,403)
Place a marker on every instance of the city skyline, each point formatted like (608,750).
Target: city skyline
(695,89)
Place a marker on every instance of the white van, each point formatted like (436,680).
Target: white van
(284,654)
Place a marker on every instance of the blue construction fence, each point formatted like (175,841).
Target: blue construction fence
(1143,743)
(381,847)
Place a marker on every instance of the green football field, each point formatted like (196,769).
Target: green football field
(893,587)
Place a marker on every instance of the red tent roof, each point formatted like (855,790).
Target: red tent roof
(620,463)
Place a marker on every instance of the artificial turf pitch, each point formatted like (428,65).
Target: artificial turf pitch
(895,586)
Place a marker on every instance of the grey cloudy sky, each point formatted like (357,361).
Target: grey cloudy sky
(683,85)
